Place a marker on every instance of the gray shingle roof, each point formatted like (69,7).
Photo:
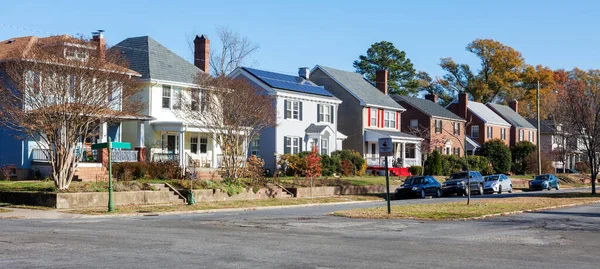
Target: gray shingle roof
(360,88)
(428,107)
(486,114)
(315,129)
(154,61)
(511,116)
(392,133)
(546,126)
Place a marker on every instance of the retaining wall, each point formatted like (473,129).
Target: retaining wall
(340,190)
(213,195)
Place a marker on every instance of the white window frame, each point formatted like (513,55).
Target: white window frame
(194,141)
(414,123)
(324,146)
(294,112)
(203,141)
(294,144)
(530,136)
(456,128)
(475,134)
(389,119)
(324,113)
(438,123)
(503,133)
(169,96)
(490,132)
(521,135)
(373,119)
(255,145)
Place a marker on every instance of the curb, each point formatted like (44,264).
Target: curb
(528,211)
(223,210)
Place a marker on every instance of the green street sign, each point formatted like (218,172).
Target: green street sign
(114,145)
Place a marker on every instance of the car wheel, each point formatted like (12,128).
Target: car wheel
(510,190)
(480,189)
(549,187)
(557,186)
(500,189)
(423,193)
(439,193)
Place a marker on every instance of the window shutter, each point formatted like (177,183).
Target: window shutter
(286,145)
(300,111)
(300,142)
(285,108)
(369,117)
(331,113)
(379,118)
(319,118)
(397,119)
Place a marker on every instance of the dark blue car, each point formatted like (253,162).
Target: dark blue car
(541,182)
(419,186)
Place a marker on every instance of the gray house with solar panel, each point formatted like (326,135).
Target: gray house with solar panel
(306,115)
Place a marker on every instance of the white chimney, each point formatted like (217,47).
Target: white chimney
(304,72)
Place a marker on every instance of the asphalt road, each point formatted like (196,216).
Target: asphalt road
(305,238)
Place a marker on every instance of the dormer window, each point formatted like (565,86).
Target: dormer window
(76,54)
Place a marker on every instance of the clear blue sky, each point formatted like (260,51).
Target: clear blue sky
(291,34)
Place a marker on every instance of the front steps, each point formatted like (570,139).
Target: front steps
(91,174)
(174,198)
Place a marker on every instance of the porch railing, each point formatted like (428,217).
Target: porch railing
(380,161)
(198,161)
(40,155)
(119,156)
(164,157)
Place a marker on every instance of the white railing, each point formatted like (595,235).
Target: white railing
(380,161)
(119,156)
(164,157)
(198,161)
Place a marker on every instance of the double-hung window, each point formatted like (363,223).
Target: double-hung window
(475,131)
(521,135)
(293,109)
(166,96)
(456,128)
(194,144)
(530,136)
(438,126)
(490,132)
(291,145)
(503,134)
(255,145)
(324,147)
(324,113)
(389,119)
(195,105)
(373,118)
(203,144)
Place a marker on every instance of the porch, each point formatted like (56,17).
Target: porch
(406,149)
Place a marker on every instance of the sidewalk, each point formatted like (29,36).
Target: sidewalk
(21,213)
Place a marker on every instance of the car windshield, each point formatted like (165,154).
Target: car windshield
(414,180)
(460,175)
(490,178)
(542,177)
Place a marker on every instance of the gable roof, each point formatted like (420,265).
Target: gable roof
(428,107)
(486,114)
(287,82)
(155,61)
(546,126)
(360,88)
(511,116)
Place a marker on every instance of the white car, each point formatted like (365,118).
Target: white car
(497,183)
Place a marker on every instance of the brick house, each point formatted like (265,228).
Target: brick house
(441,129)
(482,124)
(520,128)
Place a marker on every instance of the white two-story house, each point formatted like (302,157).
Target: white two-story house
(306,115)
(367,114)
(168,137)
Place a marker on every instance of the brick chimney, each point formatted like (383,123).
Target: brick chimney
(381,81)
(463,104)
(514,104)
(202,53)
(98,39)
(432,97)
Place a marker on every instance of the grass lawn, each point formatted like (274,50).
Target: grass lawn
(291,182)
(478,208)
(4,210)
(226,204)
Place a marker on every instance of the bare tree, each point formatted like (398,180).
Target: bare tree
(580,97)
(233,111)
(234,52)
(58,90)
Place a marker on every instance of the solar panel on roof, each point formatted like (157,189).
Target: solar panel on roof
(288,82)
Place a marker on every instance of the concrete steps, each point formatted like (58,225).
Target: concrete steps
(91,174)
(174,198)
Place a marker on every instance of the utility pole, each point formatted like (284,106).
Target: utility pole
(537,100)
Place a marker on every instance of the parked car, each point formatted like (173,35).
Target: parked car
(566,171)
(497,183)
(456,183)
(541,182)
(419,186)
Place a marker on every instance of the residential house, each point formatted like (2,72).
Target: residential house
(520,128)
(441,129)
(367,114)
(168,137)
(307,115)
(27,155)
(482,124)
(565,150)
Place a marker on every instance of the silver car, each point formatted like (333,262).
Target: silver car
(497,183)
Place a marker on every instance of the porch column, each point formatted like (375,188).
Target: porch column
(214,153)
(140,148)
(181,147)
(104,132)
(403,157)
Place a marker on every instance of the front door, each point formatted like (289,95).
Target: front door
(171,144)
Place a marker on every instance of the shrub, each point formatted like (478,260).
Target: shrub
(531,164)
(519,152)
(582,167)
(165,170)
(354,158)
(291,165)
(415,170)
(330,165)
(498,154)
(255,170)
(433,165)
(487,171)
(313,164)
(128,171)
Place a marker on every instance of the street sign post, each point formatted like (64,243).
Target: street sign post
(386,149)
(109,146)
